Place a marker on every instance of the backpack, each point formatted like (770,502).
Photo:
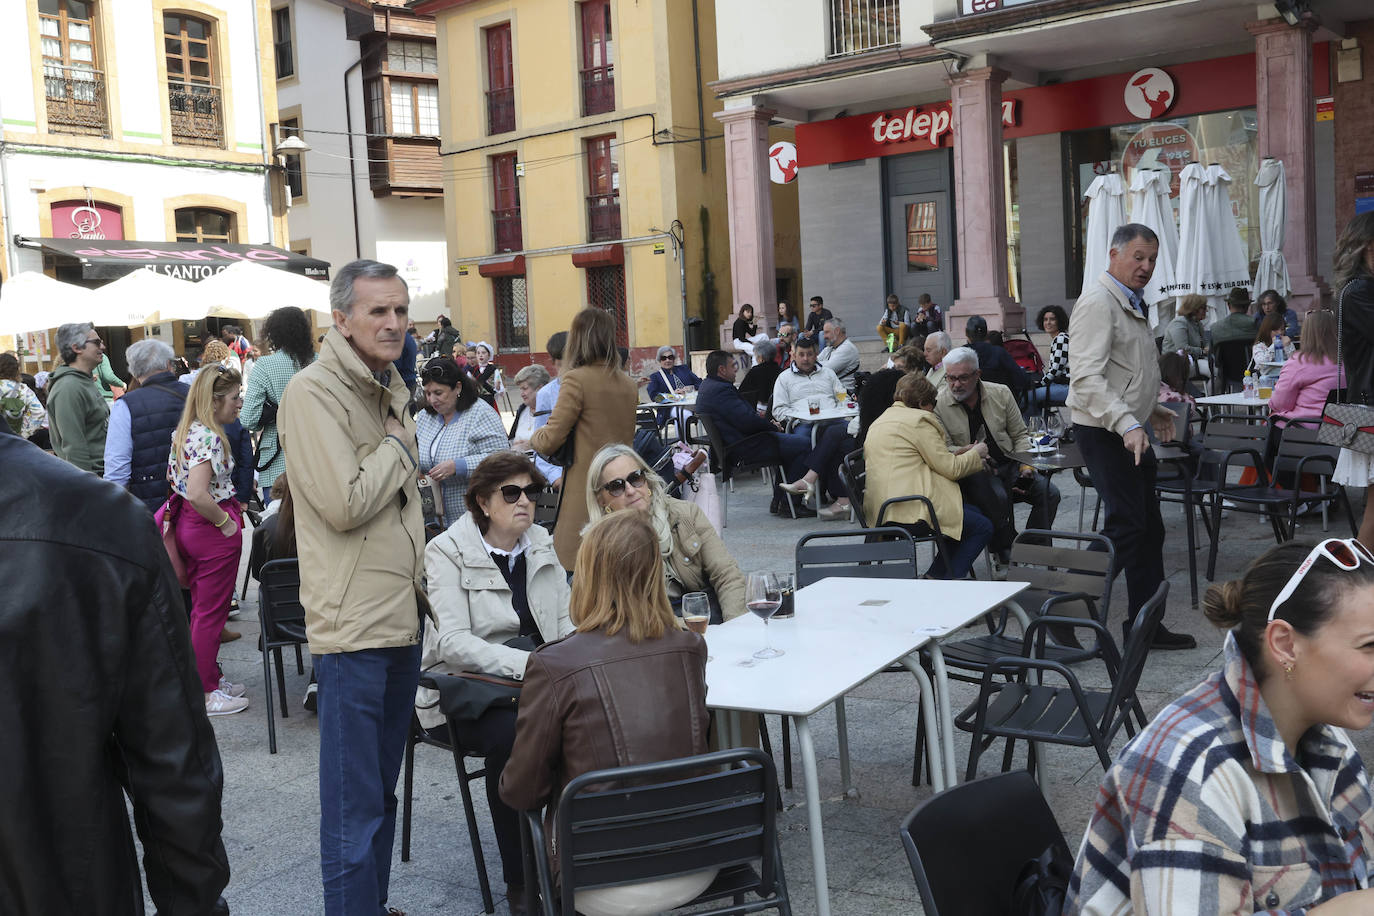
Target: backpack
(1025,355)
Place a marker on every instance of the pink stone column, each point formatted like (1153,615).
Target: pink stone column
(753,276)
(980,202)
(1283,84)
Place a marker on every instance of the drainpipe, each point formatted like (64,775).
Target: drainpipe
(5,217)
(267,177)
(352,166)
(701,105)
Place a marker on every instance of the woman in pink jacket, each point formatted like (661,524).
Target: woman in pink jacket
(1310,375)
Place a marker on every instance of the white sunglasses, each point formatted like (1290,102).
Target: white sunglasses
(1346,553)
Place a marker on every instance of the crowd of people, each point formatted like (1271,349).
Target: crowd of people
(411,509)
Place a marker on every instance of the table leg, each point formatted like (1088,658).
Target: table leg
(811,780)
(937,663)
(842,729)
(934,747)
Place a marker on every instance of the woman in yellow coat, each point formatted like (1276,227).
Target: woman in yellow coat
(905,453)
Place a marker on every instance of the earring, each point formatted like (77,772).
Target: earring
(1288,671)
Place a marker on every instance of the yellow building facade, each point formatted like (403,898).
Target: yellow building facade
(580,156)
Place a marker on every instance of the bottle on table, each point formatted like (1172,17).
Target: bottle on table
(1249,387)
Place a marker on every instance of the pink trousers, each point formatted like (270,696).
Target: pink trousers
(212,562)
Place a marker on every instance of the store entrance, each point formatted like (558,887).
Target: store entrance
(920,248)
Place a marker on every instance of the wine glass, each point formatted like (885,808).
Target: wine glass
(1054,428)
(1035,428)
(696,613)
(763,597)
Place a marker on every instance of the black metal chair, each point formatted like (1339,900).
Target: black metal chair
(1177,481)
(658,820)
(968,845)
(1071,714)
(546,506)
(282,619)
(448,686)
(1231,357)
(752,453)
(854,473)
(869,553)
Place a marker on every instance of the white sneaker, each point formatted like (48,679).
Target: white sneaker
(229,687)
(219,703)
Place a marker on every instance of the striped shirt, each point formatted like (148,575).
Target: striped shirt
(1205,811)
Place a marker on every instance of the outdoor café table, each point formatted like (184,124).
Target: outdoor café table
(678,406)
(804,415)
(845,631)
(1234,399)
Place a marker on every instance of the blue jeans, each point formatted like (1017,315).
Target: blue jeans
(1058,395)
(365,702)
(975,536)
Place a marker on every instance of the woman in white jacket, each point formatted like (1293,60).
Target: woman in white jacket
(498,591)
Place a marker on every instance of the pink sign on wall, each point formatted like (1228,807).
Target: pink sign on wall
(79,219)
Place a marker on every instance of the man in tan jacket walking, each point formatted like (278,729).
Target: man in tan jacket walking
(1114,397)
(350,456)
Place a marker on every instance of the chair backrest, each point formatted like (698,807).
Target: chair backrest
(1133,656)
(1060,562)
(546,506)
(1183,420)
(854,476)
(720,464)
(279,603)
(1232,356)
(658,820)
(1228,432)
(1298,441)
(869,553)
(968,844)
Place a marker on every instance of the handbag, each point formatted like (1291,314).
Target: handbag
(469,695)
(166,525)
(1042,884)
(1346,425)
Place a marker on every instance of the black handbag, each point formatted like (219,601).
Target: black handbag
(468,695)
(1346,425)
(1043,884)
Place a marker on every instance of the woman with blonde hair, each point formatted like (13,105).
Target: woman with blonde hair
(595,407)
(208,522)
(629,686)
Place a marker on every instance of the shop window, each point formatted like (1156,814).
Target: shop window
(598,75)
(204,224)
(603,186)
(505,213)
(281,42)
(414,108)
(295,179)
(500,80)
(606,290)
(922,236)
(512,313)
(73,83)
(195,101)
(412,57)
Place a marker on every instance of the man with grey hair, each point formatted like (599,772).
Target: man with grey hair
(936,346)
(1114,399)
(77,415)
(351,459)
(840,355)
(143,421)
(757,385)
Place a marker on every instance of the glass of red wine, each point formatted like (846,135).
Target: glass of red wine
(763,597)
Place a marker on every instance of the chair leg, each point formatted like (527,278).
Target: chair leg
(267,698)
(1192,547)
(725,499)
(1010,751)
(477,857)
(281,683)
(1216,529)
(300,660)
(766,741)
(408,793)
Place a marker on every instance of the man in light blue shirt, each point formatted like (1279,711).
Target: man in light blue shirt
(546,397)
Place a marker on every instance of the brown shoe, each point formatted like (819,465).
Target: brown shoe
(228,635)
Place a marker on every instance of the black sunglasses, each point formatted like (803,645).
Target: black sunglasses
(616,487)
(667,356)
(435,374)
(511,493)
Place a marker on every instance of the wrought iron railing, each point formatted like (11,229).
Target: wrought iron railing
(197,111)
(598,90)
(603,217)
(500,111)
(76,100)
(857,26)
(506,227)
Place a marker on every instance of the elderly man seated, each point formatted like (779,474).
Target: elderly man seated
(840,356)
(806,379)
(973,410)
(937,345)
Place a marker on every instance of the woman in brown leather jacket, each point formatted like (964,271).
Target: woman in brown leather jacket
(628,687)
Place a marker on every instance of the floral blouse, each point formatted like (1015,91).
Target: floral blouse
(202,445)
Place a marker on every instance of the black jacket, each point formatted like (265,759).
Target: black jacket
(155,409)
(1357,338)
(102,698)
(735,417)
(998,366)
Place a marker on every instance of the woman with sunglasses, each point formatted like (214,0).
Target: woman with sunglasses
(454,432)
(497,591)
(1246,795)
(695,559)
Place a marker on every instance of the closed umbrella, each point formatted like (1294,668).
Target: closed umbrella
(142,296)
(32,301)
(1149,200)
(1211,256)
(1106,212)
(1272,270)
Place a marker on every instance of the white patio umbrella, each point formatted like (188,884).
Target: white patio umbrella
(1106,212)
(1149,201)
(142,296)
(247,290)
(1272,270)
(1211,256)
(33,301)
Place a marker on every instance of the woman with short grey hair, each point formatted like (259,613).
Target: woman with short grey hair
(529,380)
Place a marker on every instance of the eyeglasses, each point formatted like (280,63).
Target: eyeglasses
(616,487)
(92,340)
(511,493)
(960,379)
(1348,554)
(432,374)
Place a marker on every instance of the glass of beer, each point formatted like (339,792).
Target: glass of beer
(813,405)
(696,613)
(786,588)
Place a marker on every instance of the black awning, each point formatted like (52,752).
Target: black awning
(109,259)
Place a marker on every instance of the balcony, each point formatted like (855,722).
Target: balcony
(603,217)
(858,26)
(76,100)
(505,225)
(197,111)
(598,90)
(500,110)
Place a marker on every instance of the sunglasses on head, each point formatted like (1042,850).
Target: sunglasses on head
(1348,554)
(616,487)
(511,493)
(433,374)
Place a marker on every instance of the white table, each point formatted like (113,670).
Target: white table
(804,415)
(845,631)
(1234,399)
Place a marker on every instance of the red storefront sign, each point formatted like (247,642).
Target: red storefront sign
(1156,146)
(1223,84)
(79,219)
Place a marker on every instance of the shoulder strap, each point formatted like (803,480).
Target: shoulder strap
(1340,362)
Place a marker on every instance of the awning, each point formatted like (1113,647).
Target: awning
(512,266)
(109,259)
(601,256)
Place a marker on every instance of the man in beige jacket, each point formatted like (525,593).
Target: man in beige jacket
(1114,397)
(350,455)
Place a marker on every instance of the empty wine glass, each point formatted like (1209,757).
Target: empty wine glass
(763,597)
(1054,428)
(1035,428)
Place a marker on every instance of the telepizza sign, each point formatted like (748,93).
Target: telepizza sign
(886,133)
